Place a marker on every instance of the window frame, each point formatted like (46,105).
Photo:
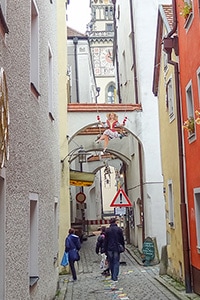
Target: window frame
(3,24)
(197,216)
(33,227)
(171,203)
(198,82)
(170,99)
(190,108)
(34,48)
(50,84)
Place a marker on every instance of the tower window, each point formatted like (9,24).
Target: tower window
(111,94)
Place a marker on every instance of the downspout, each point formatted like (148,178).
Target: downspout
(115,50)
(134,51)
(169,43)
(75,41)
(142,217)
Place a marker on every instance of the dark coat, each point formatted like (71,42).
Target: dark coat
(100,244)
(72,241)
(113,237)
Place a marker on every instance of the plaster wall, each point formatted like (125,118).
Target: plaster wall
(146,126)
(34,155)
(64,207)
(84,77)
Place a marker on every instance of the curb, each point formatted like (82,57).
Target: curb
(180,294)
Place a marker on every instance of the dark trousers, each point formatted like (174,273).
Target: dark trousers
(113,259)
(73,270)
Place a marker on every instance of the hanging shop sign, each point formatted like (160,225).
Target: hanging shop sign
(78,178)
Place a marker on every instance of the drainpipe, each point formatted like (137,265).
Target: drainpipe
(137,101)
(75,41)
(169,43)
(115,49)
(134,51)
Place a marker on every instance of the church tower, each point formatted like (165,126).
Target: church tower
(101,36)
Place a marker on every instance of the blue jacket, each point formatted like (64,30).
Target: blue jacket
(72,241)
(113,237)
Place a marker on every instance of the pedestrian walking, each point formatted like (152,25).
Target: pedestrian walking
(72,246)
(114,240)
(101,249)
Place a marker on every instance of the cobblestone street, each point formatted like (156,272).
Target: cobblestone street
(136,282)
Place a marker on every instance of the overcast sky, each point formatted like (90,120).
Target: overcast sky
(78,12)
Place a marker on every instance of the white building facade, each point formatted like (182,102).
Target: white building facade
(135,36)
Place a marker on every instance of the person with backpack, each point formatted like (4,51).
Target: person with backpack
(100,249)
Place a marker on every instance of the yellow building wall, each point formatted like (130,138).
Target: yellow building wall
(170,170)
(64,211)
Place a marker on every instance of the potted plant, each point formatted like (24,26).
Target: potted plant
(197,120)
(189,125)
(186,9)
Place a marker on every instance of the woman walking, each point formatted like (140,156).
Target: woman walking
(72,246)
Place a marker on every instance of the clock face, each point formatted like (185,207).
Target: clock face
(106,58)
(103,63)
(4,149)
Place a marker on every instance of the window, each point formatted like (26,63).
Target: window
(197,215)
(50,83)
(111,13)
(55,229)
(171,203)
(33,260)
(34,49)
(170,99)
(187,13)
(165,58)
(108,12)
(3,6)
(190,107)
(2,234)
(109,27)
(111,94)
(3,25)
(124,69)
(198,81)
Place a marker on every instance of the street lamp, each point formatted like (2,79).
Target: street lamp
(81,154)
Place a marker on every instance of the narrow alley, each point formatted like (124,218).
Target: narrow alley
(135,281)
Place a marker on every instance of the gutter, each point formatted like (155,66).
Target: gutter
(75,41)
(115,52)
(169,43)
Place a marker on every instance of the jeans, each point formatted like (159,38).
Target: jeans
(73,270)
(113,259)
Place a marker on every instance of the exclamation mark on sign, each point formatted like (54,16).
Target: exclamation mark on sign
(120,198)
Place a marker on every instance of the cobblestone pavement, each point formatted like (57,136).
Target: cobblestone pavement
(136,282)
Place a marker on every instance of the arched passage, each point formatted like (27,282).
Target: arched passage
(126,157)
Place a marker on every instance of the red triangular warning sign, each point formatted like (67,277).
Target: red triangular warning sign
(121,199)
